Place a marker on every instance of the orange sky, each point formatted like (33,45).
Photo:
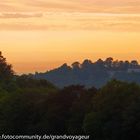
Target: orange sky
(38,35)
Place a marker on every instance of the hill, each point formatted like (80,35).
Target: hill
(92,73)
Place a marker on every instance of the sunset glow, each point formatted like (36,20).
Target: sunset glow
(38,35)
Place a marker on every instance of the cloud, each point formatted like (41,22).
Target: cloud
(20,15)
(70,15)
(111,6)
(10,6)
(74,21)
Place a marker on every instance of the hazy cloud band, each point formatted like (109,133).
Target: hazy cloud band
(70,21)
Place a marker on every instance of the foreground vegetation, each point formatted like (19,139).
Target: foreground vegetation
(29,106)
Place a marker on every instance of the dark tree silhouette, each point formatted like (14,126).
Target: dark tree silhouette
(108,62)
(100,62)
(86,63)
(6,71)
(134,63)
(76,65)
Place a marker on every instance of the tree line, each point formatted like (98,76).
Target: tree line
(90,73)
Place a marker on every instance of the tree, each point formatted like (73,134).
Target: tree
(65,67)
(87,63)
(6,72)
(134,63)
(76,65)
(115,112)
(108,62)
(80,107)
(100,62)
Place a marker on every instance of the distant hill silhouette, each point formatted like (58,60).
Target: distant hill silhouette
(93,73)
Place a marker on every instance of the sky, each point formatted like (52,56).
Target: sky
(39,35)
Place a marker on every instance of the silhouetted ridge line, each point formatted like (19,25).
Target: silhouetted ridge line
(91,73)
